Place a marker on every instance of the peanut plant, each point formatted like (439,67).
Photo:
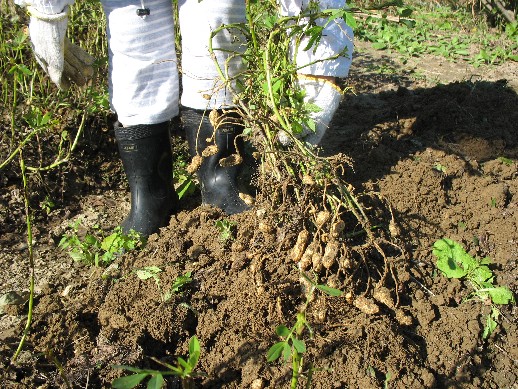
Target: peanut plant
(292,346)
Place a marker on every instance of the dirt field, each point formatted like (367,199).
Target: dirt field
(431,146)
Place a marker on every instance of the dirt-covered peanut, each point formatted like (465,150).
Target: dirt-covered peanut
(265,227)
(337,228)
(195,164)
(382,294)
(308,180)
(209,150)
(231,160)
(403,318)
(316,260)
(330,253)
(322,218)
(300,245)
(366,305)
(214,117)
(258,383)
(247,199)
(307,258)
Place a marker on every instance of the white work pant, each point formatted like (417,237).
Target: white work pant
(144,83)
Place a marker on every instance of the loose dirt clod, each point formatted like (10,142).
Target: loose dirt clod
(403,318)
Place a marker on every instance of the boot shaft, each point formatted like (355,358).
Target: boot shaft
(145,150)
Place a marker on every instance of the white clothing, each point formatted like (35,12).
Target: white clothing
(143,74)
(144,83)
(336,36)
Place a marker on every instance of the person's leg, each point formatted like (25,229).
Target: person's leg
(144,92)
(203,91)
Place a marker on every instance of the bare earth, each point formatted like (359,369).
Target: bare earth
(428,136)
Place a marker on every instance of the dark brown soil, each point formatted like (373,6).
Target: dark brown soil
(444,156)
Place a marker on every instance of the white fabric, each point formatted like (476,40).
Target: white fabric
(49,7)
(144,82)
(336,36)
(199,74)
(325,95)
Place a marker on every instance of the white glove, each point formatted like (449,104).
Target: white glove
(60,59)
(325,95)
(47,34)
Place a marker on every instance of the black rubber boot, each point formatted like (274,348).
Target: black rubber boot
(218,178)
(146,156)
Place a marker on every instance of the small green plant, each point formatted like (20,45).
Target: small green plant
(292,346)
(440,168)
(47,205)
(153,272)
(454,262)
(184,370)
(184,182)
(506,161)
(225,228)
(177,286)
(148,272)
(95,250)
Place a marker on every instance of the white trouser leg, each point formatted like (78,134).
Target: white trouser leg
(143,79)
(201,84)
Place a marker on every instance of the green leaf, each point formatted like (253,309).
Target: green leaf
(350,20)
(451,258)
(405,12)
(329,291)
(481,274)
(193,359)
(109,241)
(183,363)
(379,45)
(286,351)
(299,345)
(128,382)
(185,188)
(501,295)
(156,382)
(282,331)
(489,327)
(147,272)
(275,351)
(194,343)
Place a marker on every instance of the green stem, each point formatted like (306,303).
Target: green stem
(296,363)
(28,219)
(66,158)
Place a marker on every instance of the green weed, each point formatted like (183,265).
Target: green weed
(226,229)
(94,249)
(454,262)
(183,180)
(153,272)
(184,370)
(442,31)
